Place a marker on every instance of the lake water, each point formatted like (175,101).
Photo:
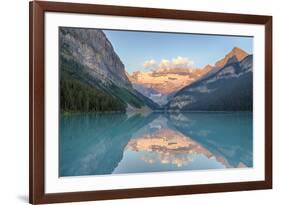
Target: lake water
(114,143)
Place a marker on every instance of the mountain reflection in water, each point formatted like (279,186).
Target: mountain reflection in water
(170,146)
(111,143)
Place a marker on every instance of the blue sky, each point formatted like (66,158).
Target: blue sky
(136,48)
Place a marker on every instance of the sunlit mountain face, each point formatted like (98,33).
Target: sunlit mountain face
(160,83)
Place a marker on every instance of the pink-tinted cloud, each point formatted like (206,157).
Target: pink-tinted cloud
(178,62)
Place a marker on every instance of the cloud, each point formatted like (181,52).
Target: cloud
(150,64)
(178,62)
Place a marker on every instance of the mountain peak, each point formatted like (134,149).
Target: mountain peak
(237,52)
(235,48)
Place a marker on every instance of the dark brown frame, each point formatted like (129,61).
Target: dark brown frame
(37,9)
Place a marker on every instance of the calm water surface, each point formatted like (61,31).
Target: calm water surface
(113,143)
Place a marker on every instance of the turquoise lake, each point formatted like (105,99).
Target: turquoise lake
(115,143)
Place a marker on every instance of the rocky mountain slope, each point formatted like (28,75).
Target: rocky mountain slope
(228,87)
(92,76)
(237,52)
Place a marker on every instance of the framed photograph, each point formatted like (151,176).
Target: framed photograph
(139,102)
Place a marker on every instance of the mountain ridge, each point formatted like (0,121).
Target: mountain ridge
(162,83)
(237,52)
(89,62)
(229,88)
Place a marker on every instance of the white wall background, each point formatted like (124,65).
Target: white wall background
(14,100)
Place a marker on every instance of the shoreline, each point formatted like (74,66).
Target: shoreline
(155,111)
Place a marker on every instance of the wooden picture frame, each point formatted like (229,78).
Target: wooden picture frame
(37,10)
